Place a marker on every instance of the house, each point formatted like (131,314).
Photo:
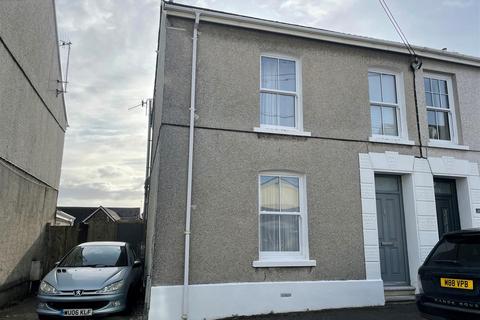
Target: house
(64,219)
(106,224)
(32,128)
(89,214)
(298,169)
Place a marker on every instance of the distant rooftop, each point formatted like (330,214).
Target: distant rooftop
(122,214)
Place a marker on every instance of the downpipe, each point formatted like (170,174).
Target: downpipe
(186,267)
(416,65)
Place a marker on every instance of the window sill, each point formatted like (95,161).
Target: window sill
(284,263)
(447,145)
(283,132)
(393,140)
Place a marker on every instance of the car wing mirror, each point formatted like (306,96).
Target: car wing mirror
(56,264)
(137,263)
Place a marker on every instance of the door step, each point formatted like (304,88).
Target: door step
(399,293)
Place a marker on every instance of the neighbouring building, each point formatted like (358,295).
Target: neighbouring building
(100,224)
(32,128)
(63,219)
(92,214)
(321,170)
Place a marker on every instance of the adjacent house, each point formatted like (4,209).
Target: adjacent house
(299,169)
(64,219)
(32,128)
(89,214)
(105,224)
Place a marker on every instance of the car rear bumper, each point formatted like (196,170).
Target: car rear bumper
(100,304)
(433,310)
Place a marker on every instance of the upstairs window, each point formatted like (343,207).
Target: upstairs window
(279,98)
(384,104)
(440,114)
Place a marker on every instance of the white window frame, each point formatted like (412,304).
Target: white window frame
(402,137)
(287,258)
(298,129)
(452,119)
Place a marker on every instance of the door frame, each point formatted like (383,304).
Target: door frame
(402,227)
(419,200)
(453,196)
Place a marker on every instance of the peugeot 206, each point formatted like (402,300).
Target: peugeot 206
(94,278)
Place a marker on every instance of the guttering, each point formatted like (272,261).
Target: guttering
(314,33)
(186,265)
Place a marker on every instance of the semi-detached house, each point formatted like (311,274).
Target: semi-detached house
(300,169)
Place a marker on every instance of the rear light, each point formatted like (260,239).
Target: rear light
(419,284)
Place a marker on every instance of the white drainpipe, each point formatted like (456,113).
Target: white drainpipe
(186,269)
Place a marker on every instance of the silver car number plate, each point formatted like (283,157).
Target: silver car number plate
(77,312)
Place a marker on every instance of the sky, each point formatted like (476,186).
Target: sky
(112,68)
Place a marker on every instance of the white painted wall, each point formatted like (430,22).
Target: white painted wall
(214,301)
(419,202)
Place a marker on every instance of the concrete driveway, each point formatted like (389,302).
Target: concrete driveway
(25,310)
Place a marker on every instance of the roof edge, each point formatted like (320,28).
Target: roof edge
(64,215)
(101,208)
(219,17)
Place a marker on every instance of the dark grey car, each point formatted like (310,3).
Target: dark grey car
(94,278)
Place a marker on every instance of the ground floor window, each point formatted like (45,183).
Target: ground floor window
(283,216)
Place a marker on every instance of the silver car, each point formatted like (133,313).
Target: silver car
(94,278)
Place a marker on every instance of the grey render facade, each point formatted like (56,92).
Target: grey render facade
(32,128)
(335,251)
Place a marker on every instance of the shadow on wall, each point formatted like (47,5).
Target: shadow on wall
(17,284)
(26,206)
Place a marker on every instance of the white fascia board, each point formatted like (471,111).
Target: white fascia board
(318,34)
(64,215)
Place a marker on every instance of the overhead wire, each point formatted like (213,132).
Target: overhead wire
(416,64)
(397,27)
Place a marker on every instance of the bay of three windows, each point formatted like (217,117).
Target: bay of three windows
(279,95)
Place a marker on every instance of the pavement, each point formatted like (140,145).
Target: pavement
(25,310)
(397,311)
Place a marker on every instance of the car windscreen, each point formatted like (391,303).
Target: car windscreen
(460,251)
(96,256)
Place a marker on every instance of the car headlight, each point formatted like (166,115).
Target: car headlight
(47,288)
(112,287)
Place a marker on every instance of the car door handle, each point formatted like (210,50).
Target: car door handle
(386,243)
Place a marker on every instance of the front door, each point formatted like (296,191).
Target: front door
(391,230)
(447,206)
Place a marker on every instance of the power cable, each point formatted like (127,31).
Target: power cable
(399,31)
(416,64)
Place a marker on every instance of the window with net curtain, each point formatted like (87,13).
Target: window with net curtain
(384,106)
(280,213)
(439,113)
(278,93)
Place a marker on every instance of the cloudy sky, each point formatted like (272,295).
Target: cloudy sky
(112,68)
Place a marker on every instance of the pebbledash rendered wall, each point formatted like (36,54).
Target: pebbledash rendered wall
(229,155)
(32,128)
